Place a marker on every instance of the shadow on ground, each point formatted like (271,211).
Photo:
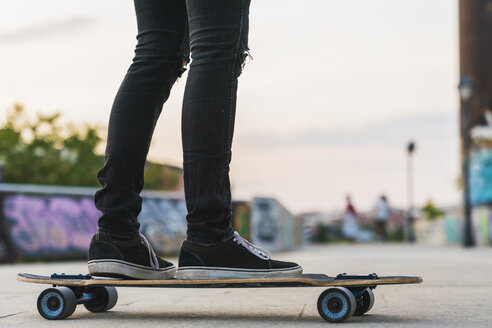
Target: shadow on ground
(244,317)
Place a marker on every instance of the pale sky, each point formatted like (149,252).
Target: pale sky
(334,92)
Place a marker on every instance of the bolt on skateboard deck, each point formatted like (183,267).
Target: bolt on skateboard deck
(348,295)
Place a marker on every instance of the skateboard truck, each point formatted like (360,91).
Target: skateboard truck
(360,292)
(71,276)
(368,276)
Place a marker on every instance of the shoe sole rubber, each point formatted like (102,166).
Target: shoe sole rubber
(122,269)
(208,273)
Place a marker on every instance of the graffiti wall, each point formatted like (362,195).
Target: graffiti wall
(287,227)
(449,230)
(241,219)
(453,229)
(480,177)
(53,226)
(430,232)
(273,227)
(163,222)
(49,227)
(482,220)
(57,223)
(265,224)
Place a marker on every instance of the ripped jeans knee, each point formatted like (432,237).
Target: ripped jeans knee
(244,58)
(183,66)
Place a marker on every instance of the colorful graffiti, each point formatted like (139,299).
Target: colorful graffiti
(452,228)
(41,225)
(241,219)
(163,222)
(481,218)
(480,177)
(47,226)
(62,226)
(265,223)
(273,226)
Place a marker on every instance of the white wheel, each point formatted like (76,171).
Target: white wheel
(336,304)
(364,302)
(106,298)
(57,303)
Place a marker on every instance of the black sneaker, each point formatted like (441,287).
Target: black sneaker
(234,259)
(127,258)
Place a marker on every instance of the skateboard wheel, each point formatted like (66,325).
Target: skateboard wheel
(57,303)
(336,304)
(365,302)
(105,299)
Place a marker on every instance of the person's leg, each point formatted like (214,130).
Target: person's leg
(377,230)
(162,46)
(384,231)
(218,41)
(136,108)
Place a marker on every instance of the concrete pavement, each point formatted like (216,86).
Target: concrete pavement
(455,293)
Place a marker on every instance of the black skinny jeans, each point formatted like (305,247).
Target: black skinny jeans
(216,33)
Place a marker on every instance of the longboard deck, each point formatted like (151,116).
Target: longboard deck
(307,280)
(335,304)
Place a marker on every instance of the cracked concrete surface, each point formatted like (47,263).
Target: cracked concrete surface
(455,293)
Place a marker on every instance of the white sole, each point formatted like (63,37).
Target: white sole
(208,273)
(117,268)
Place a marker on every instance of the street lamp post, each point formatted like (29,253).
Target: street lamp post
(410,217)
(466,92)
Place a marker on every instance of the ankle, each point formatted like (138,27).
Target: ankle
(118,235)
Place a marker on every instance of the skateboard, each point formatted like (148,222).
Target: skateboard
(346,296)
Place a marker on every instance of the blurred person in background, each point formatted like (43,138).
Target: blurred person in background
(350,228)
(216,33)
(382,214)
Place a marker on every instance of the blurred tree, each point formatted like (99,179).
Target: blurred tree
(320,233)
(397,235)
(46,152)
(431,212)
(161,177)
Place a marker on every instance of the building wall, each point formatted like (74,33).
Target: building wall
(57,223)
(273,227)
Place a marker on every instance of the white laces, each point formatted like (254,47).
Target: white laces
(152,257)
(256,250)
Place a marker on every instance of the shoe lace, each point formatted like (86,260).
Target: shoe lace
(154,262)
(256,250)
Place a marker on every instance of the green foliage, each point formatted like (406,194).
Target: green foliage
(431,212)
(397,235)
(161,177)
(45,152)
(327,233)
(320,234)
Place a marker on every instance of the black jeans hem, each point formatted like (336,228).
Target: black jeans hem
(118,234)
(211,242)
